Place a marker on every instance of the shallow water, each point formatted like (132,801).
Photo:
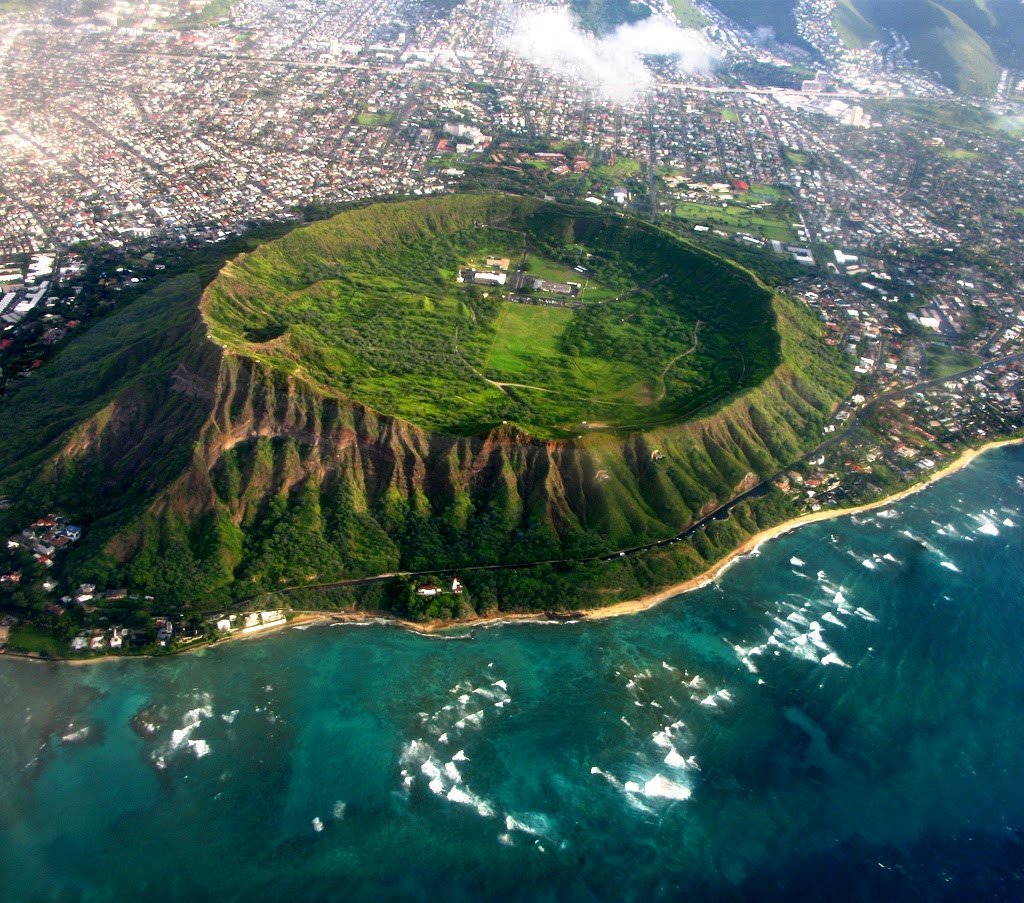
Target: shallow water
(838,716)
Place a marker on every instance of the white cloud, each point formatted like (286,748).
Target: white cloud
(613,65)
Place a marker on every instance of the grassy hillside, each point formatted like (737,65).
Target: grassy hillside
(776,15)
(367,304)
(854,29)
(940,39)
(966,42)
(687,14)
(602,16)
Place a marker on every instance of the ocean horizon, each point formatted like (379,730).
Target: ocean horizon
(835,716)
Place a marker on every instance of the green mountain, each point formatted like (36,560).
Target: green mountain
(603,16)
(949,37)
(966,42)
(855,30)
(209,441)
(754,14)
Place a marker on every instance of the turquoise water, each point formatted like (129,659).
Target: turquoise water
(837,717)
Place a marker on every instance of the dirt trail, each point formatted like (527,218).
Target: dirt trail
(674,361)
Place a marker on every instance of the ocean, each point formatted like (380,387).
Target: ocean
(838,716)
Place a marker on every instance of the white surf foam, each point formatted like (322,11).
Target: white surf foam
(674,759)
(660,787)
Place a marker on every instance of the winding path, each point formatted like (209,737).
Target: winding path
(674,361)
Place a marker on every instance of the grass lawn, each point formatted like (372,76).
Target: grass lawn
(526,335)
(761,192)
(797,157)
(730,116)
(374,120)
(553,271)
(941,360)
(958,153)
(569,388)
(767,223)
(32,639)
(623,169)
(953,115)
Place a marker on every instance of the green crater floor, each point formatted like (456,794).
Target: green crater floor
(370,304)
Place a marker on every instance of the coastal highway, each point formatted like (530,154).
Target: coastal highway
(719,513)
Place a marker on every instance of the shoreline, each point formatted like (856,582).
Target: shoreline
(635,606)
(750,545)
(615,610)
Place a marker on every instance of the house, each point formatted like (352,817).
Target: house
(428,590)
(164,631)
(72,532)
(261,620)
